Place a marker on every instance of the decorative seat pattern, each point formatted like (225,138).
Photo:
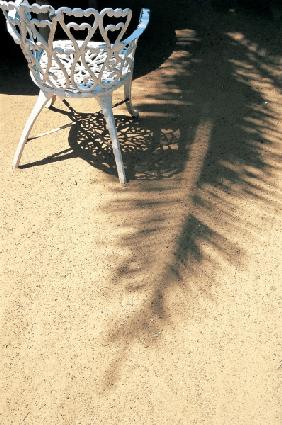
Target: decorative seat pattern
(79,65)
(95,73)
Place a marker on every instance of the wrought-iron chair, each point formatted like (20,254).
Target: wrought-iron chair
(76,67)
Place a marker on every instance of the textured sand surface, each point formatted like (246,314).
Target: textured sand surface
(158,303)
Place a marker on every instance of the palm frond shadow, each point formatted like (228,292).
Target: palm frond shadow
(214,78)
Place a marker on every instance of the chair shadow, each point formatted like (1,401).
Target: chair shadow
(150,151)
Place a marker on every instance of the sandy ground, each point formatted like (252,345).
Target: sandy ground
(159,303)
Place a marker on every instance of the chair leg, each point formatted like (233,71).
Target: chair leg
(41,101)
(127,95)
(51,101)
(106,106)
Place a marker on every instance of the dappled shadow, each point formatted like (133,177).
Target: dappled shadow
(150,152)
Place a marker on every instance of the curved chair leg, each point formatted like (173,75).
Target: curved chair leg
(51,101)
(106,106)
(127,95)
(41,101)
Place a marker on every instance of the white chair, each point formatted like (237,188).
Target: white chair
(76,67)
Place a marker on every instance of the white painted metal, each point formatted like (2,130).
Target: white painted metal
(128,98)
(106,106)
(76,67)
(41,101)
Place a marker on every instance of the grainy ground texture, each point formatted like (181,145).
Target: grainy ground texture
(158,303)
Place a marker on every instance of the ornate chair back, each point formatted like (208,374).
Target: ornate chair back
(77,65)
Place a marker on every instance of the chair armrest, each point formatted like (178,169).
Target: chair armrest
(13,17)
(143,22)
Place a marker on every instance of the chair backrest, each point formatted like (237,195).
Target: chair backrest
(78,64)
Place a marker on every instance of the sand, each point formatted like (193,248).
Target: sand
(158,303)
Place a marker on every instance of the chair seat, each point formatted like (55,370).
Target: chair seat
(91,73)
